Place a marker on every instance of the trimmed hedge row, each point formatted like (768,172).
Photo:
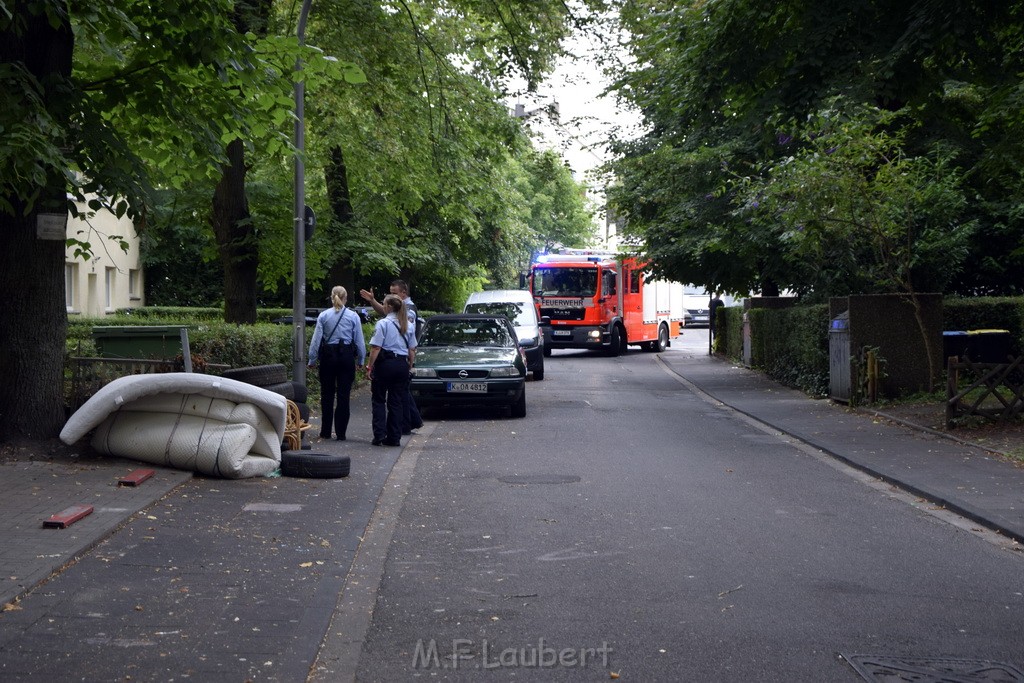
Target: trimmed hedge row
(212,341)
(184,316)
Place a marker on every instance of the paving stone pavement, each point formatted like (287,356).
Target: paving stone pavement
(32,491)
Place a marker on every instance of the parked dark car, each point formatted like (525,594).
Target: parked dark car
(472,360)
(311,314)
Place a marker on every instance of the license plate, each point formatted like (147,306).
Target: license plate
(562,333)
(467,387)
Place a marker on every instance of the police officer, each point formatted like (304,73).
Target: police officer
(400,288)
(392,353)
(340,347)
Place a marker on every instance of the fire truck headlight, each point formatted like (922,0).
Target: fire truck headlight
(424,372)
(595,334)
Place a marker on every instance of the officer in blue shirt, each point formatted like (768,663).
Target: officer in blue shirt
(400,288)
(392,353)
(339,345)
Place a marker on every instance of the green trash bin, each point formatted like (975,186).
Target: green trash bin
(138,341)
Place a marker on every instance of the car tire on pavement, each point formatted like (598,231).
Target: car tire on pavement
(519,407)
(308,465)
(538,372)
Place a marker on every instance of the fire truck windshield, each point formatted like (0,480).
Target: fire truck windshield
(581,282)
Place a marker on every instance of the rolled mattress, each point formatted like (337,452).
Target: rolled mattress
(212,425)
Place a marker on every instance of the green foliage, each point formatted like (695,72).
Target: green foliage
(855,213)
(728,339)
(791,346)
(732,90)
(439,180)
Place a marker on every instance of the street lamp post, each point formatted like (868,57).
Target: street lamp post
(299,220)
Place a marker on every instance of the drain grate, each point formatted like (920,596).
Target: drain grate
(883,669)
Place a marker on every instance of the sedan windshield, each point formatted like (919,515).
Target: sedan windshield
(466,333)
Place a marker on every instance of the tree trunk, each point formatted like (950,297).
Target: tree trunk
(239,251)
(32,309)
(336,176)
(33,332)
(232,222)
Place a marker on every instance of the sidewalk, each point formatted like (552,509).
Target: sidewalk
(963,478)
(960,477)
(32,491)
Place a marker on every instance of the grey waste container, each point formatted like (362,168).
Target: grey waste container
(839,358)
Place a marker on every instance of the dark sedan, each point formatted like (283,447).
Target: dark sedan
(472,360)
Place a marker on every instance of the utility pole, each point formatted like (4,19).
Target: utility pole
(299,265)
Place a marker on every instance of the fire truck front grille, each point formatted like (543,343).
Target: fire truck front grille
(563,313)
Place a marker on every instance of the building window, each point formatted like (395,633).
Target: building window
(134,292)
(109,288)
(70,284)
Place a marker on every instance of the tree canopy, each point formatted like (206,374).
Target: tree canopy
(733,94)
(420,170)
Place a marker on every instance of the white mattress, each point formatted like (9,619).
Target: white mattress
(213,425)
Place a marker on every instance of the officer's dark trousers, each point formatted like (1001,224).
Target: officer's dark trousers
(387,390)
(337,373)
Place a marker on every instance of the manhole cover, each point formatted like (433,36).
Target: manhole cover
(933,670)
(539,479)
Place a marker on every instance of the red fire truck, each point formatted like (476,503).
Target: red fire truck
(600,300)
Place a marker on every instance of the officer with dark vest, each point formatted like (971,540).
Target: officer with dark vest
(392,354)
(339,346)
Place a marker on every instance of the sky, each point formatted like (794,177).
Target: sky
(585,116)
(585,119)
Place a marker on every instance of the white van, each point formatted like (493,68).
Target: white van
(697,302)
(516,305)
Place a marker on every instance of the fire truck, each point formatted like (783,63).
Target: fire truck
(600,300)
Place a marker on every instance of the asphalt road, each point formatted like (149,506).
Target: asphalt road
(627,528)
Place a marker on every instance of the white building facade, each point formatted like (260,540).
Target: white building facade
(111,278)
